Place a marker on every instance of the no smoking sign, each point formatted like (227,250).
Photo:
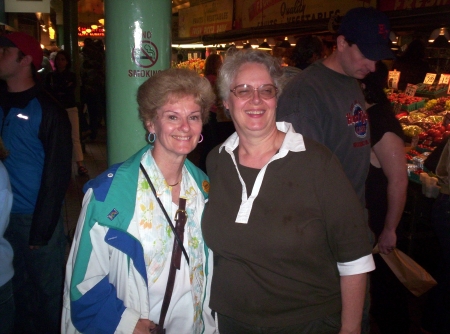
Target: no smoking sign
(146,55)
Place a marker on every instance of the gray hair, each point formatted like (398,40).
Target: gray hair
(232,63)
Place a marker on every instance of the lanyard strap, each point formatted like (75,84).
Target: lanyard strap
(175,262)
(177,237)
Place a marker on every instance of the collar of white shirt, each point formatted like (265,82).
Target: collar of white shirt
(292,142)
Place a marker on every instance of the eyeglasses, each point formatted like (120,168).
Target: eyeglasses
(246,92)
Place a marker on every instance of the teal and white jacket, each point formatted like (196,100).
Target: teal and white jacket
(110,268)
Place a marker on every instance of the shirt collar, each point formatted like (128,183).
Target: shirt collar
(292,142)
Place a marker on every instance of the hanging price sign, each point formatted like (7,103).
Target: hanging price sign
(410,90)
(393,78)
(444,79)
(429,78)
(397,108)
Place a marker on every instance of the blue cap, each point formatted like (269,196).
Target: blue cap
(369,29)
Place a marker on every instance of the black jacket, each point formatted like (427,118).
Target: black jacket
(55,134)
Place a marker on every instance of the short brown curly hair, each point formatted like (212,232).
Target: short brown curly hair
(172,84)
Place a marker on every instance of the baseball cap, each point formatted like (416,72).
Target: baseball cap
(369,29)
(25,43)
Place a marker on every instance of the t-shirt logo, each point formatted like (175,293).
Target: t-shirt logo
(358,118)
(383,31)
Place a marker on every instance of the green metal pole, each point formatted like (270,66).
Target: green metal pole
(138,45)
(70,33)
(2,12)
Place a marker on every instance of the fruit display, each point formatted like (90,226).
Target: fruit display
(438,105)
(432,91)
(407,102)
(415,159)
(431,124)
(196,64)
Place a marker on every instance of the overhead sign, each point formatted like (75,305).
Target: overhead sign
(257,13)
(205,19)
(27,6)
(387,5)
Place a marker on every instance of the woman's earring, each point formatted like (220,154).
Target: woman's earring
(201,138)
(151,137)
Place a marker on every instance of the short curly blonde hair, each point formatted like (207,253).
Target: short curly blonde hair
(172,84)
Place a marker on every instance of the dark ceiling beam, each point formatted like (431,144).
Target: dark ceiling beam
(428,18)
(423,19)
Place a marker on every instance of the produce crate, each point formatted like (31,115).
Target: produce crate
(409,107)
(433,94)
(431,91)
(420,104)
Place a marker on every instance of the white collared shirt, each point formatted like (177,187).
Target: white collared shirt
(292,142)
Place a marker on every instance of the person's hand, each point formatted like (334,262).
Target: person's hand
(387,241)
(143,326)
(34,247)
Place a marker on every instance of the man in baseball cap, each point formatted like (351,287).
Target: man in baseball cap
(27,44)
(36,131)
(325,103)
(369,29)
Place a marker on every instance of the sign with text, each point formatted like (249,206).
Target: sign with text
(444,79)
(208,18)
(386,5)
(397,108)
(256,13)
(429,78)
(393,78)
(410,90)
(27,6)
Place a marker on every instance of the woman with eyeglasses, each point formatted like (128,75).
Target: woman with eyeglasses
(290,243)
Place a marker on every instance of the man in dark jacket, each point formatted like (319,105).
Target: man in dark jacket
(36,132)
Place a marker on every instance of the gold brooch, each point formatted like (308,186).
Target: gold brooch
(205,186)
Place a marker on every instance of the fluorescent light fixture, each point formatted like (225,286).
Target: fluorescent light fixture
(191,46)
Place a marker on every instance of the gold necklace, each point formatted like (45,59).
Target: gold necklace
(173,185)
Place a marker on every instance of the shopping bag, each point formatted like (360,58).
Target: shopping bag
(415,278)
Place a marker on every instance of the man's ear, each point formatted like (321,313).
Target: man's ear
(27,60)
(341,43)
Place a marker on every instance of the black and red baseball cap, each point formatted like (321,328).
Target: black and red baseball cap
(25,43)
(369,29)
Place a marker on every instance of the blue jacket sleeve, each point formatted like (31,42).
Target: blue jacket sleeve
(98,310)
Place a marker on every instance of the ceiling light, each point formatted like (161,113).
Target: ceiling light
(285,43)
(393,37)
(439,32)
(264,46)
(247,45)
